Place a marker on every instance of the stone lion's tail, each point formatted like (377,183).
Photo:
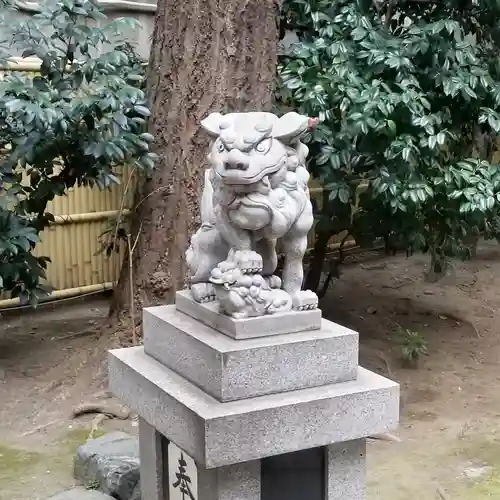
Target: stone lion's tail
(207,204)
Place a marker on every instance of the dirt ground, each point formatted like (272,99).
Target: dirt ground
(450,415)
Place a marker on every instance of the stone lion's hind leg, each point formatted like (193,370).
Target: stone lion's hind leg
(295,246)
(293,274)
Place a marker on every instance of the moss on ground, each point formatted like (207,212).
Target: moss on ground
(486,453)
(14,461)
(488,488)
(15,465)
(46,471)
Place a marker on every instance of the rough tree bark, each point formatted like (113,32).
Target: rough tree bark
(206,55)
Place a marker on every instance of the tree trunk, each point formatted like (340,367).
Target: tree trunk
(315,270)
(206,56)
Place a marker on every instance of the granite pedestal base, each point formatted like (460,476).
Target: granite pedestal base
(230,369)
(335,472)
(247,328)
(260,418)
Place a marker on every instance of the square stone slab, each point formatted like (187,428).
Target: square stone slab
(230,369)
(262,326)
(216,434)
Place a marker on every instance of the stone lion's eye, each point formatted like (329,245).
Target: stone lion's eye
(263,146)
(220,147)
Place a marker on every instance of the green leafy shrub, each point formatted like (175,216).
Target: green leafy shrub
(72,124)
(408,93)
(413,346)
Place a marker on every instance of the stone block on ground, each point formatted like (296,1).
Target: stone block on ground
(81,494)
(112,463)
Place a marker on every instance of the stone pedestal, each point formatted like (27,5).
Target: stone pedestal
(249,414)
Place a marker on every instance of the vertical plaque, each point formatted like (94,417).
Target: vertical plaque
(182,475)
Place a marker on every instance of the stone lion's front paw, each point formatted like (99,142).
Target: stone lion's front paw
(248,261)
(203,292)
(305,300)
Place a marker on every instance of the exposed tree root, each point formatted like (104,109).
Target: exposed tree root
(96,422)
(109,410)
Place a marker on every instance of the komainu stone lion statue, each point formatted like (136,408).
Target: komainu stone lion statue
(255,202)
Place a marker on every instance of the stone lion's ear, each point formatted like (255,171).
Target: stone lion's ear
(212,124)
(290,126)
